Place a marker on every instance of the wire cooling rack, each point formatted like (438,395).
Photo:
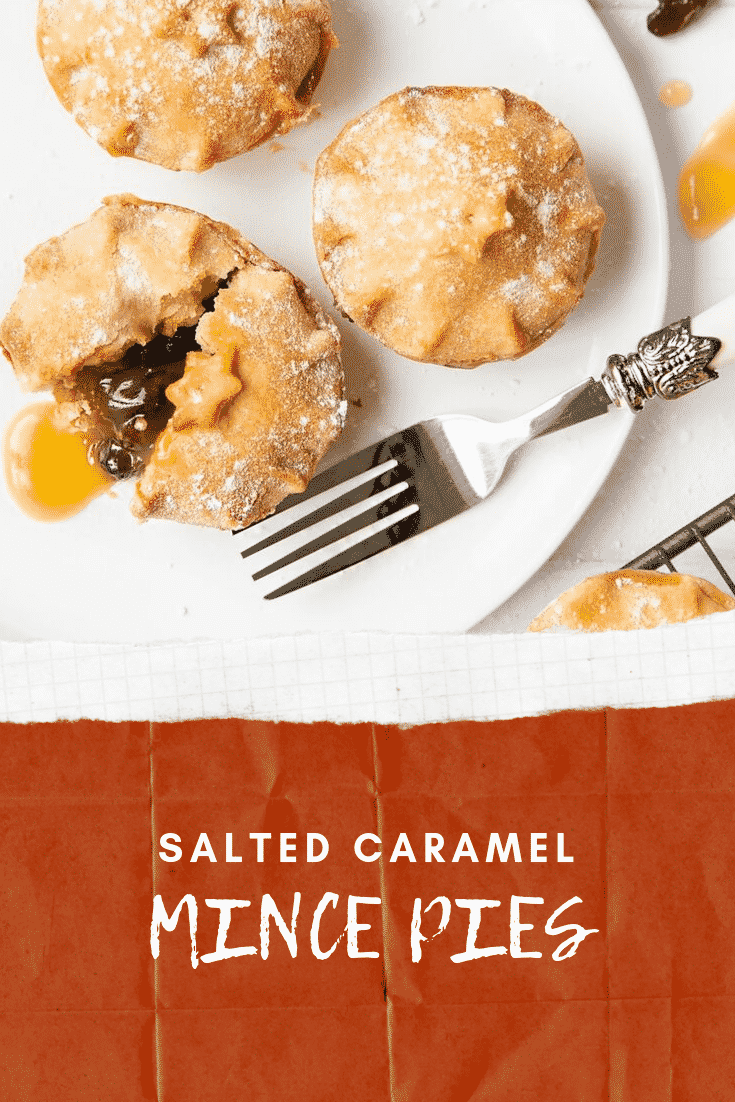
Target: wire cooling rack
(691,535)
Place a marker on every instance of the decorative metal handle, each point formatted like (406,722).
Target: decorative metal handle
(669,363)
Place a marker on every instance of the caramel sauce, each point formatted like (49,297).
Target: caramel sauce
(673,15)
(47,471)
(707,181)
(52,473)
(128,402)
(675,93)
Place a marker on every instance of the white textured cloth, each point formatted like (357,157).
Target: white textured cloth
(370,677)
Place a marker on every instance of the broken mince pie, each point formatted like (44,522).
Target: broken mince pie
(181,354)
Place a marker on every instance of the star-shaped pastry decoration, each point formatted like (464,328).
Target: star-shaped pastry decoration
(197,25)
(207,385)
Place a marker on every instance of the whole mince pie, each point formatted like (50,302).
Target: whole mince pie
(182,355)
(456,225)
(184,83)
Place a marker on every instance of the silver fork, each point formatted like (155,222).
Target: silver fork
(434,470)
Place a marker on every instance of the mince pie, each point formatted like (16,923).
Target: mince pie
(456,225)
(629,599)
(184,83)
(183,355)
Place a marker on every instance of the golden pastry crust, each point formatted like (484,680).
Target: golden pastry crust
(132,269)
(257,405)
(184,83)
(232,463)
(456,225)
(628,599)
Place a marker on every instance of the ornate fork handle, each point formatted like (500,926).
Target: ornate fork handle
(669,363)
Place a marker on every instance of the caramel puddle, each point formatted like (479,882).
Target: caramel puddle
(675,93)
(47,471)
(707,181)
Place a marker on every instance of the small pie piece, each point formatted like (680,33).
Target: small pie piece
(627,599)
(184,83)
(456,225)
(182,354)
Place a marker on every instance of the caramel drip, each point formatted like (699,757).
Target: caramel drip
(673,15)
(707,181)
(675,93)
(47,470)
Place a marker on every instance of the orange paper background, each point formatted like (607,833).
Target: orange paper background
(643,1012)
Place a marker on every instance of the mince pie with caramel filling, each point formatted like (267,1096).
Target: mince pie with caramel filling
(183,355)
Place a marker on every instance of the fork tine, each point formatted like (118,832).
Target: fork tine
(388,507)
(357,489)
(361,545)
(354,465)
(361,516)
(372,456)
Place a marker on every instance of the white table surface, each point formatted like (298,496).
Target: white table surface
(671,469)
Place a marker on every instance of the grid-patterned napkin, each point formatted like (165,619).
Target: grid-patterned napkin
(370,677)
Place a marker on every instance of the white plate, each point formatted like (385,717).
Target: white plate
(102,577)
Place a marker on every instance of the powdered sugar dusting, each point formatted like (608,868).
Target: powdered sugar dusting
(267,440)
(183,83)
(438,189)
(131,272)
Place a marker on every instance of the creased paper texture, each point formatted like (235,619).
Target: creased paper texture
(643,1009)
